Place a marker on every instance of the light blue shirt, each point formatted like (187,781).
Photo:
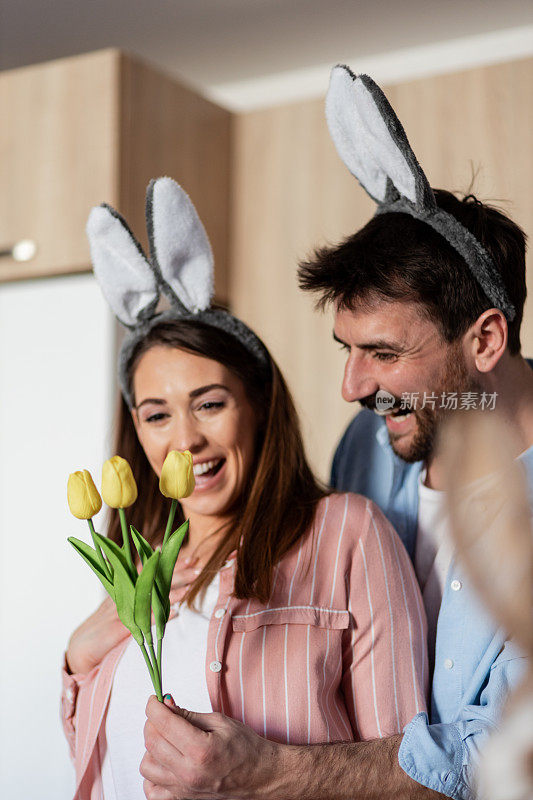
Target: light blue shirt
(474,665)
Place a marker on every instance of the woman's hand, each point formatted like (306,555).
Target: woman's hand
(94,638)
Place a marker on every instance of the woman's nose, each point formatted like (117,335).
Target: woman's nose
(187,435)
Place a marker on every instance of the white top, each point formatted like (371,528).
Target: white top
(184,658)
(433,554)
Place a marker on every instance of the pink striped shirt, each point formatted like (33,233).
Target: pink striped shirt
(338,652)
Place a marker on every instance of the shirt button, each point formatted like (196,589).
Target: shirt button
(219,613)
(215,666)
(456,585)
(448,663)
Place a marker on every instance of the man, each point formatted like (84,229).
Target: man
(426,324)
(430,339)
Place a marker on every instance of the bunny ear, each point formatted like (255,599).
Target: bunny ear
(372,142)
(121,268)
(491,518)
(179,246)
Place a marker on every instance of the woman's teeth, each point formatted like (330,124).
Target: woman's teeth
(205,466)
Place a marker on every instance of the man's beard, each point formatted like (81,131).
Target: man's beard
(422,443)
(456,379)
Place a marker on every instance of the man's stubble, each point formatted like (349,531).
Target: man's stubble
(455,378)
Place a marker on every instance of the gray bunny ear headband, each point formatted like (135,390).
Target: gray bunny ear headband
(180,267)
(372,143)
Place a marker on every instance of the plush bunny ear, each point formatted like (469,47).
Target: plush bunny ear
(121,268)
(491,518)
(179,246)
(372,142)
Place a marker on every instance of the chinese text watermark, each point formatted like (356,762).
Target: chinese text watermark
(449,401)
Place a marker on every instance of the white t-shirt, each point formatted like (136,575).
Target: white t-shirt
(433,554)
(184,656)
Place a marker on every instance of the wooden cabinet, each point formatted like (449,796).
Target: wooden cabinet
(97,127)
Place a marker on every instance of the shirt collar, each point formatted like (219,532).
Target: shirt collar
(382,436)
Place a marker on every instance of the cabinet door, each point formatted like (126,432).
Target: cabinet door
(58,157)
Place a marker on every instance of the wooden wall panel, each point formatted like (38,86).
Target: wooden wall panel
(291,193)
(166,129)
(480,122)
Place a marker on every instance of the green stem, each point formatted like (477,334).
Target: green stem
(157,688)
(156,671)
(99,553)
(159,661)
(126,539)
(170,522)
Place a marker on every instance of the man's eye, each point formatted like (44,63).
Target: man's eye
(385,356)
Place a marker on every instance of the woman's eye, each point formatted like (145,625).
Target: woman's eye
(156,417)
(344,347)
(210,405)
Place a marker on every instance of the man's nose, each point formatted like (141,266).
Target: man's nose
(358,382)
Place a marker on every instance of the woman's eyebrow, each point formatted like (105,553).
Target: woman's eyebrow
(195,393)
(155,400)
(202,389)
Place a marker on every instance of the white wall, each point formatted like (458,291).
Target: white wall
(56,388)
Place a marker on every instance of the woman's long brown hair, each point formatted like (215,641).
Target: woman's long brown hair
(278,502)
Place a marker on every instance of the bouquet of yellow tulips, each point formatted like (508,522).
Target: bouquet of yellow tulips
(137,594)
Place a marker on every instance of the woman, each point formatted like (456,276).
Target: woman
(287,622)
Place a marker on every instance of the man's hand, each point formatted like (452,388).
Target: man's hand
(212,757)
(197,756)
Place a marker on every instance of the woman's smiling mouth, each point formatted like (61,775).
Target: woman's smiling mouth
(206,473)
(201,467)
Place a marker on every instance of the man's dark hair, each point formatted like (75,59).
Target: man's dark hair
(398,257)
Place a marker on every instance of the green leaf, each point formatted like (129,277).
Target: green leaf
(169,556)
(109,546)
(159,607)
(161,611)
(142,609)
(90,556)
(123,585)
(143,547)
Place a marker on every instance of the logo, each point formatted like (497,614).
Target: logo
(384,401)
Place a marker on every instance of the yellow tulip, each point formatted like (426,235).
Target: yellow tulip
(83,498)
(177,477)
(119,489)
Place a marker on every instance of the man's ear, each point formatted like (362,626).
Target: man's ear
(488,339)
